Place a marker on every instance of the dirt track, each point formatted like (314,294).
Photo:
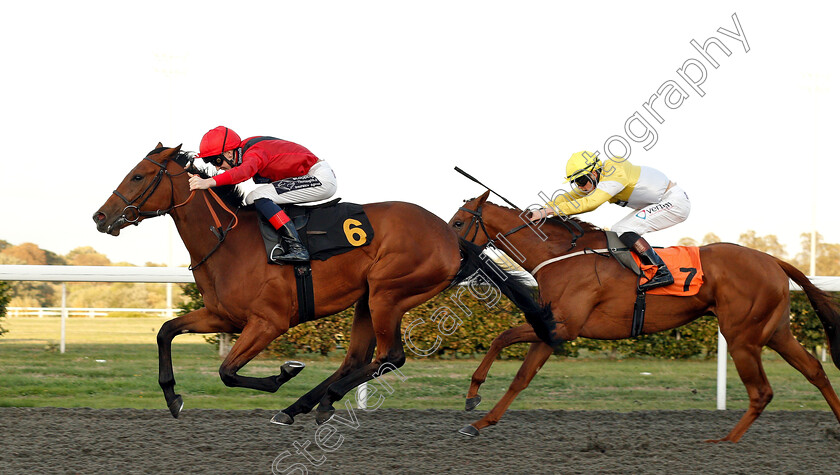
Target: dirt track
(50,440)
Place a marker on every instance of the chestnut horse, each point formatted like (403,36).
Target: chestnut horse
(592,296)
(412,257)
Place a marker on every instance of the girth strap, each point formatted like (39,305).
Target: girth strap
(638,313)
(305,293)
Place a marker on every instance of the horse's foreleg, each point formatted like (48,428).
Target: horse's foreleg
(520,334)
(359,352)
(793,352)
(256,335)
(536,357)
(198,321)
(747,359)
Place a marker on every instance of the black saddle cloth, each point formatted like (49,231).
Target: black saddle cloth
(327,230)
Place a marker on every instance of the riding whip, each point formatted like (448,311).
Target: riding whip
(462,172)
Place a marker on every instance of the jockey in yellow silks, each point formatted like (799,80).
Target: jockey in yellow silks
(657,203)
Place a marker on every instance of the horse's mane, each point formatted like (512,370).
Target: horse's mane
(557,221)
(232,195)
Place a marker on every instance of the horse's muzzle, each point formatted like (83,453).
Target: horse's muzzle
(101,220)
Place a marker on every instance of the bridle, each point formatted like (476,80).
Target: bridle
(150,189)
(148,192)
(477,220)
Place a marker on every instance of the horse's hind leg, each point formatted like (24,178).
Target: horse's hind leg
(198,321)
(747,359)
(793,352)
(520,334)
(359,352)
(385,320)
(536,357)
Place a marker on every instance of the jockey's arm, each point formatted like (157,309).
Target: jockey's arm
(568,204)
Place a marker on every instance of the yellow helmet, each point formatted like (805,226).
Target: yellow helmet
(580,164)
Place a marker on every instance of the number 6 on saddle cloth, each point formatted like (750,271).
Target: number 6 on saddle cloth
(326,230)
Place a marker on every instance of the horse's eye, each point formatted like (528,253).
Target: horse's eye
(458,224)
(137,177)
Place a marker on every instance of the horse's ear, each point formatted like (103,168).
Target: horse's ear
(159,145)
(168,152)
(481,199)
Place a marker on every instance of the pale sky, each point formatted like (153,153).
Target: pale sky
(395,94)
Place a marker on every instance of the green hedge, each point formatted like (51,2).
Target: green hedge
(5,296)
(457,324)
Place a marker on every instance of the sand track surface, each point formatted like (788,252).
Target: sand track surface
(55,440)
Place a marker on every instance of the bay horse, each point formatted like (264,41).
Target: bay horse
(412,257)
(592,296)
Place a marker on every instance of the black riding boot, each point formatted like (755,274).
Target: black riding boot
(662,277)
(648,256)
(294,250)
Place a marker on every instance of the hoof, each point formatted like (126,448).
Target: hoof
(469,430)
(473,402)
(323,416)
(176,405)
(292,368)
(282,419)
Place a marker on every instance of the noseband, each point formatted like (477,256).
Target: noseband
(147,193)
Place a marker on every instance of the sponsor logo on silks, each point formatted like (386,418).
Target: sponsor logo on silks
(654,209)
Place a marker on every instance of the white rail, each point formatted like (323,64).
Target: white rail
(42,312)
(177,275)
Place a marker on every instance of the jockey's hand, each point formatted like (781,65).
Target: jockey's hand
(198,183)
(539,214)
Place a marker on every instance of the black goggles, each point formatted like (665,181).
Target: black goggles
(583,180)
(216,160)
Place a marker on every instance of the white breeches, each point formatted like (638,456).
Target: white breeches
(319,184)
(672,209)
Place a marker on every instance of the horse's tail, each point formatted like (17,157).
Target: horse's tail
(823,304)
(516,288)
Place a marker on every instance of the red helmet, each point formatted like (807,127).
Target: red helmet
(218,141)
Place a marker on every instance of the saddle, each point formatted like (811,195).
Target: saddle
(326,230)
(682,261)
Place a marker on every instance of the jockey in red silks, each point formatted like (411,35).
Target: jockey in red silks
(284,171)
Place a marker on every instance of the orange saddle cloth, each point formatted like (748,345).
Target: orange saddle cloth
(684,264)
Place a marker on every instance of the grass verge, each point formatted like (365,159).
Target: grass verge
(112,363)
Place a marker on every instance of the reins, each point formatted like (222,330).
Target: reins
(217,231)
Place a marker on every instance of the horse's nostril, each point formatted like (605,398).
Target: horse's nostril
(98,217)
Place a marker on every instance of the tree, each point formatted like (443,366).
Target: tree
(27,252)
(29,294)
(687,241)
(86,256)
(828,256)
(769,244)
(5,296)
(709,238)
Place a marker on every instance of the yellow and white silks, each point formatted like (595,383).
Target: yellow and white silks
(657,202)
